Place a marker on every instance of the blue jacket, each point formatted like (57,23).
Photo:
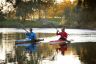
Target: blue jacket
(31,35)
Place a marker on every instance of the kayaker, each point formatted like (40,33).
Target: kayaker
(63,36)
(31,36)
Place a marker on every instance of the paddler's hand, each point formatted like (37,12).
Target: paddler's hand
(57,30)
(28,34)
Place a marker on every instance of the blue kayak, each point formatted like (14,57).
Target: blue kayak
(26,42)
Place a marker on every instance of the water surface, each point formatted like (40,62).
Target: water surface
(81,50)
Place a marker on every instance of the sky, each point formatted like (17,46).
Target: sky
(59,1)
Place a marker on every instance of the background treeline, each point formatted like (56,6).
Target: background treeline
(73,14)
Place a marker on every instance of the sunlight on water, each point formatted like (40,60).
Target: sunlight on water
(66,59)
(49,30)
(7,43)
(47,39)
(2,51)
(70,57)
(2,54)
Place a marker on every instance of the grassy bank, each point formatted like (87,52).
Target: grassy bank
(18,24)
(43,23)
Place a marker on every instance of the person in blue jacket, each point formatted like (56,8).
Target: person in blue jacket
(31,36)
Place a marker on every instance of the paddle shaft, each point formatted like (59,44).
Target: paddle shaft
(20,24)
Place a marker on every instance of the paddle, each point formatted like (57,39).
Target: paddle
(23,27)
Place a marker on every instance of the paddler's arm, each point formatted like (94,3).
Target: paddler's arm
(57,33)
(34,39)
(27,34)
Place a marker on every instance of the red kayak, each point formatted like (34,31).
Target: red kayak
(57,42)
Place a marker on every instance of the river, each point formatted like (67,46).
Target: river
(81,50)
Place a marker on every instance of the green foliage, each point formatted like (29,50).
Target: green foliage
(30,7)
(15,24)
(74,15)
(87,4)
(55,19)
(2,16)
(28,24)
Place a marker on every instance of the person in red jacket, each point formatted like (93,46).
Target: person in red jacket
(63,36)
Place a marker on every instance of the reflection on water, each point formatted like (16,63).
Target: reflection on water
(7,42)
(70,57)
(86,51)
(77,53)
(7,45)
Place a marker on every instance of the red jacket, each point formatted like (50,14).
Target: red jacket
(63,35)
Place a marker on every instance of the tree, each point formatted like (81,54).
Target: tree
(5,9)
(2,16)
(88,4)
(23,8)
(87,15)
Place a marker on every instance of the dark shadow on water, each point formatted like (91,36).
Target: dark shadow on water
(86,52)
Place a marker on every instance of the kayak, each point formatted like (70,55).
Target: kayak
(28,44)
(27,41)
(56,42)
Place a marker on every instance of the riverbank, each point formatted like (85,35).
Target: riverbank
(43,23)
(28,24)
(18,24)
